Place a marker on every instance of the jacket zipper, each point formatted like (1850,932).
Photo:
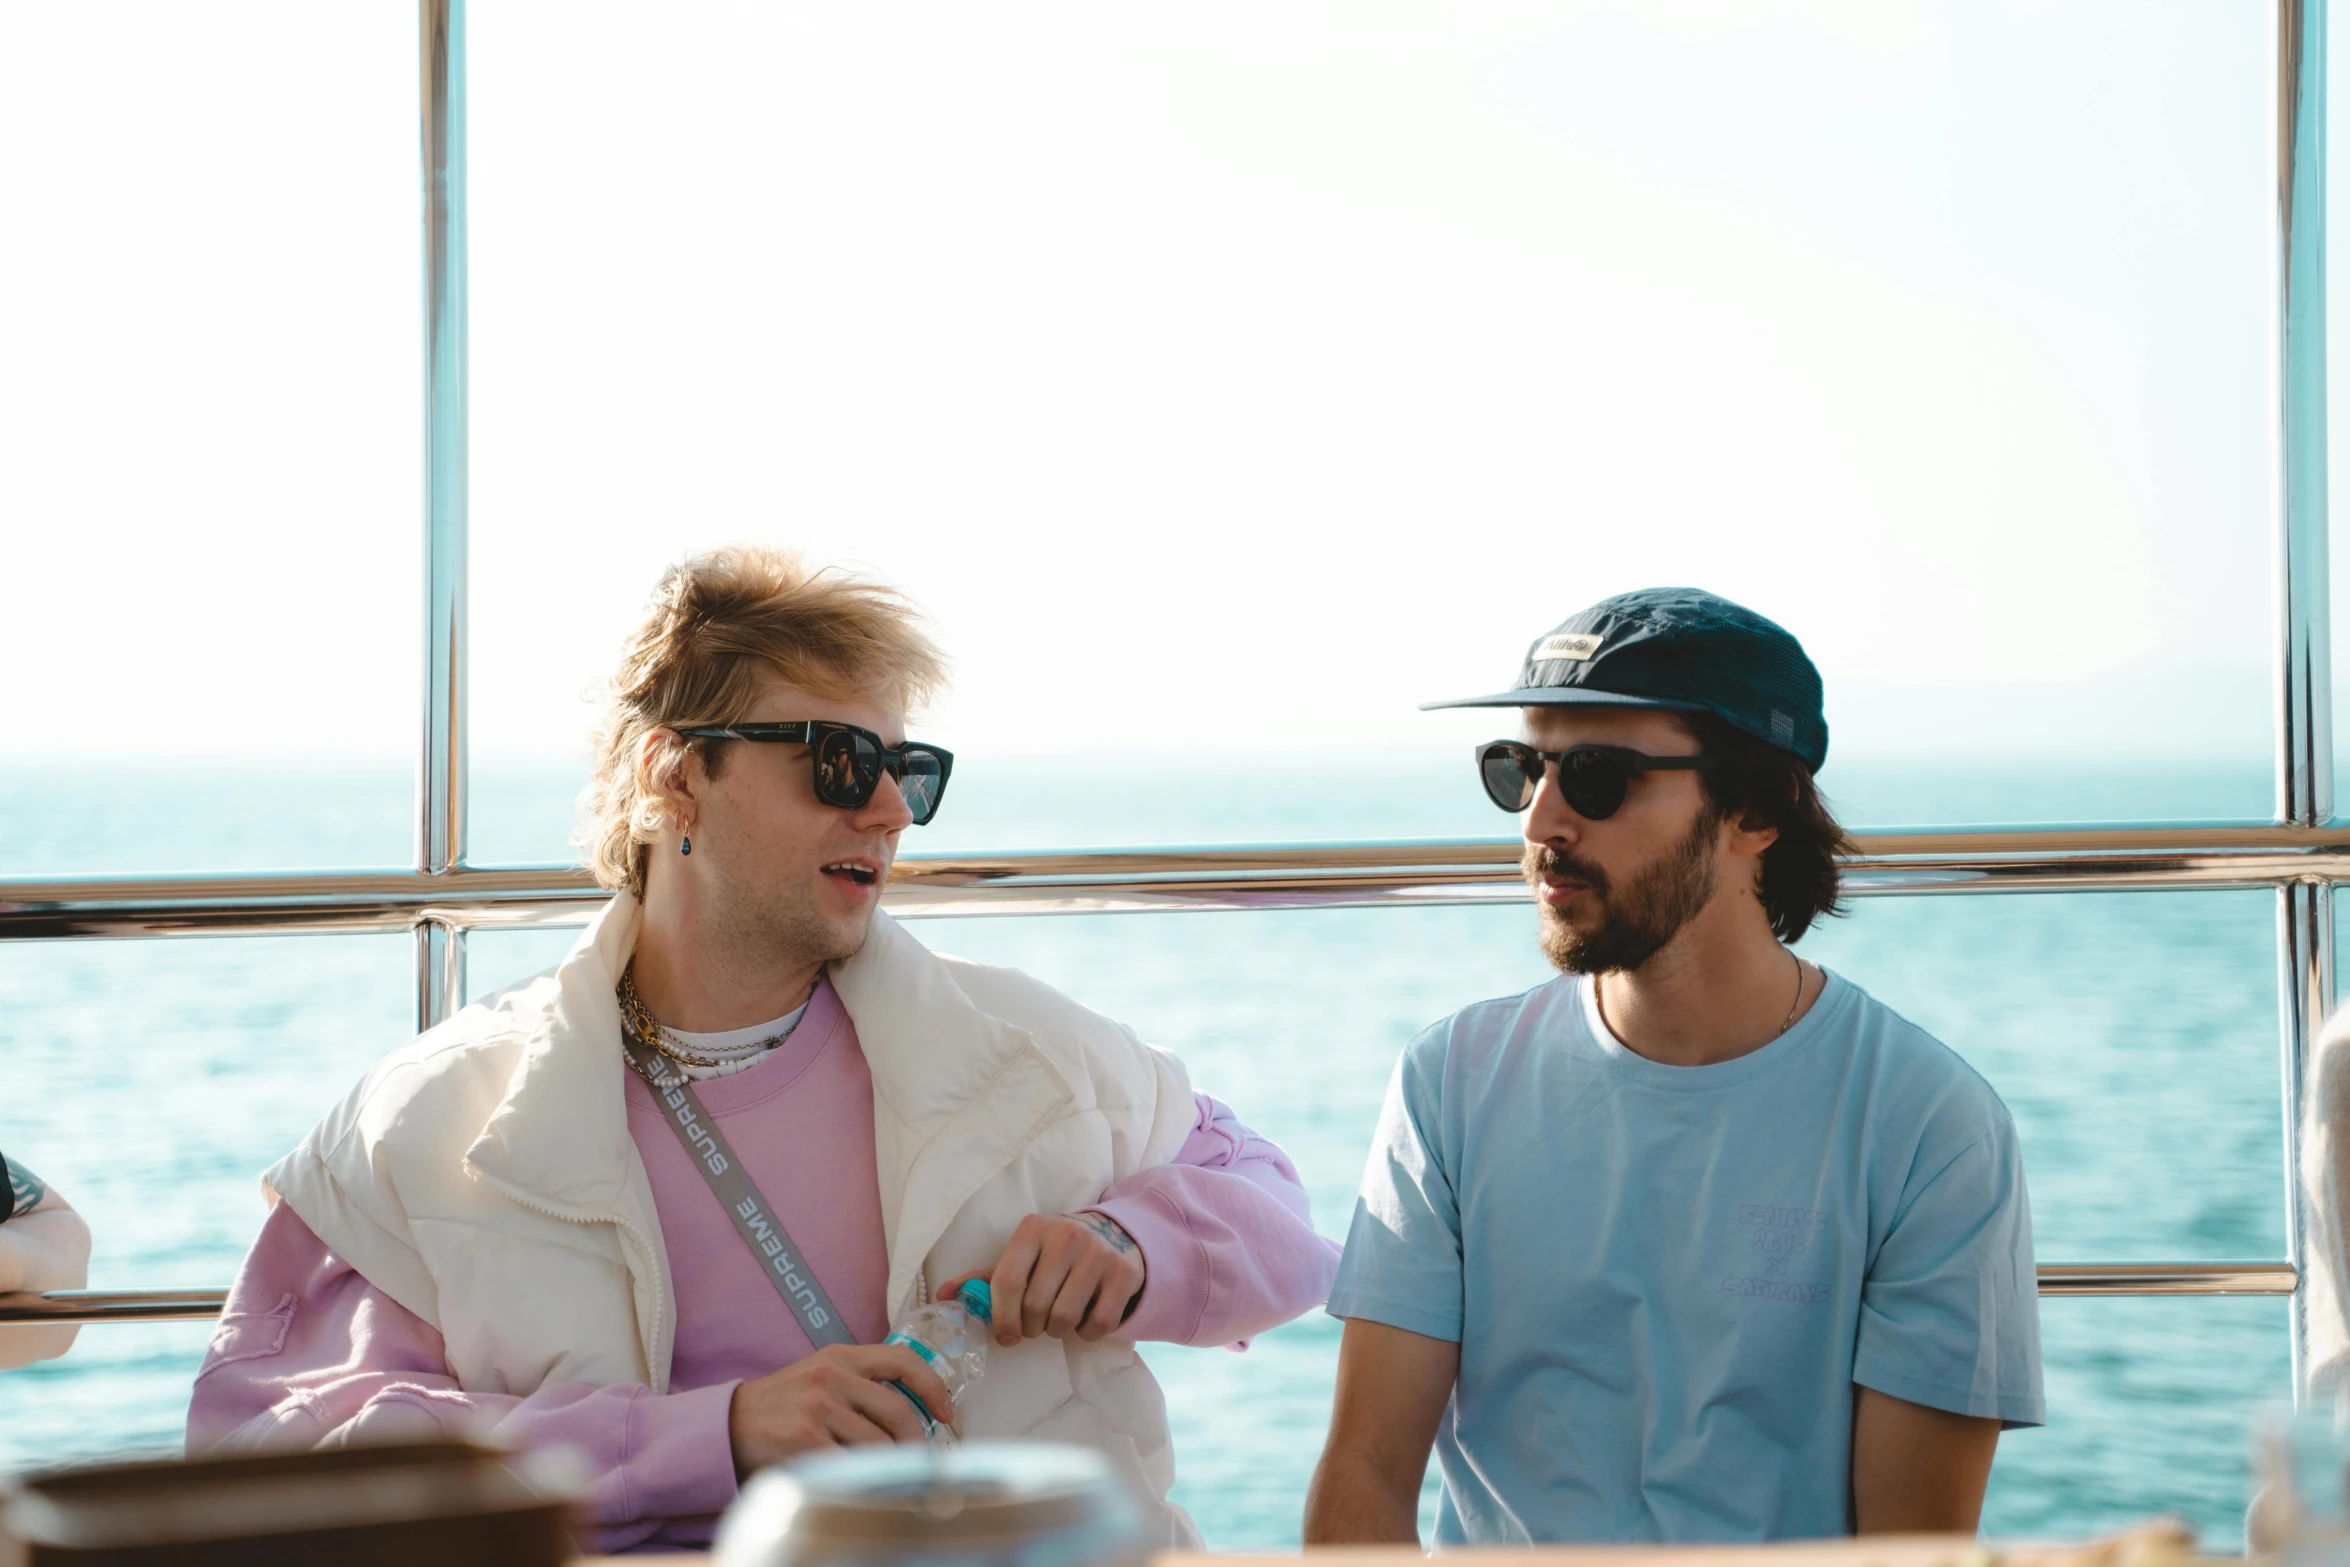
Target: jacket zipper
(922,1273)
(635,1236)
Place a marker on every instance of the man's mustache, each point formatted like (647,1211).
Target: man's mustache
(1540,859)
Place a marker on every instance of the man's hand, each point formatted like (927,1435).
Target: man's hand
(1069,1275)
(838,1397)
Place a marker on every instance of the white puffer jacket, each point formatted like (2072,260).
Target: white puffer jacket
(484,1178)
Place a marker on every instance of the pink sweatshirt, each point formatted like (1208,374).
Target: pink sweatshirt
(307,1346)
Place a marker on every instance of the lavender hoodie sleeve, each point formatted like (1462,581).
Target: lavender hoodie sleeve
(1226,1234)
(309,1354)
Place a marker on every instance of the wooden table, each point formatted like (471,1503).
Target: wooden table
(1906,1550)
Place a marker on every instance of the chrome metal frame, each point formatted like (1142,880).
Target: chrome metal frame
(1107,881)
(441,759)
(60,1307)
(2304,679)
(2301,854)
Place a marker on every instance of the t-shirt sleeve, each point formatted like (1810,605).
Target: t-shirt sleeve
(1950,1312)
(1403,1252)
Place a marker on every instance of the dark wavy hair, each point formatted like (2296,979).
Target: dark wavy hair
(1758,785)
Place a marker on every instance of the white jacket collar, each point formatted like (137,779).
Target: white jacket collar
(956,1091)
(561,1132)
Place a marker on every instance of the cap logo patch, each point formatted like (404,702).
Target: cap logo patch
(1782,726)
(1574,644)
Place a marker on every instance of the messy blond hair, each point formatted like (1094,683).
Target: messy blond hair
(721,623)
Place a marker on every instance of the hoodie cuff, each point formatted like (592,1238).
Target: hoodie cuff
(679,1458)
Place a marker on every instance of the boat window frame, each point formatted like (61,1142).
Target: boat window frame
(2301,853)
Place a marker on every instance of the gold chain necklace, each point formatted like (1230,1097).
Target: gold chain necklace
(1785,1023)
(648,1031)
(1796,1005)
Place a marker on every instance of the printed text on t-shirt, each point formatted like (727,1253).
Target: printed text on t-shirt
(1776,1289)
(1780,1234)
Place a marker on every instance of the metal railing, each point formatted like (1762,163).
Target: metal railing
(59,1308)
(2300,854)
(2305,698)
(2209,855)
(440,757)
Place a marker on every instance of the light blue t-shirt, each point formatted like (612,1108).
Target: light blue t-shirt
(1666,1280)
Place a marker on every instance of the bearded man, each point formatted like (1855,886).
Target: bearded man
(1697,1242)
(662,1204)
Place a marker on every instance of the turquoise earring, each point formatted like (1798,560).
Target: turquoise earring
(685,845)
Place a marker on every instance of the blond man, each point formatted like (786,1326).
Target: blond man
(663,1203)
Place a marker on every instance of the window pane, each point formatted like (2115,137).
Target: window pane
(151,815)
(1231,379)
(1226,381)
(208,427)
(176,1072)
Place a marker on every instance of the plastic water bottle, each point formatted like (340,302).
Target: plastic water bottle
(951,1335)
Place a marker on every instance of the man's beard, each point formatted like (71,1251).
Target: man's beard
(1663,896)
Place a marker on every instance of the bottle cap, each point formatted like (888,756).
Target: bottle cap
(977,1299)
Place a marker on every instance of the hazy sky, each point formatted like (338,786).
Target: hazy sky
(1216,374)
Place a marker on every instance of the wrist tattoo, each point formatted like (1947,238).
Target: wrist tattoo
(1108,1229)
(24,1187)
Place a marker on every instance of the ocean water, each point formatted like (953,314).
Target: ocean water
(2133,1036)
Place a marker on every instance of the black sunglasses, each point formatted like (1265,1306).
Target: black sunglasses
(849,761)
(1592,778)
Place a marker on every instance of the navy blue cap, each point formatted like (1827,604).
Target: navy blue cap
(1681,650)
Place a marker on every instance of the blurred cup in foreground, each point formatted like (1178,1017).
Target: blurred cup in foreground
(983,1504)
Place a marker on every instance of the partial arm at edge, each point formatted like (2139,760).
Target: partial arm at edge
(45,1245)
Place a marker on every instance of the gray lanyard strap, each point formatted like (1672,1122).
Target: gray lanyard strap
(786,1267)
